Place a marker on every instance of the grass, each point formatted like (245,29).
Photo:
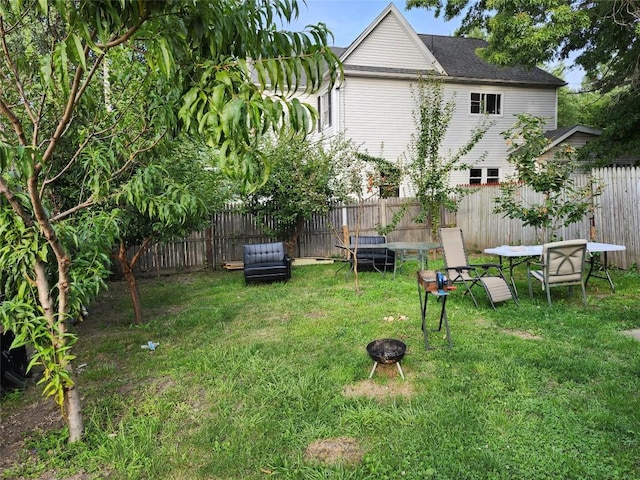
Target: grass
(246,378)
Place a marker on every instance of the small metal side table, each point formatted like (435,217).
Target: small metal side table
(427,286)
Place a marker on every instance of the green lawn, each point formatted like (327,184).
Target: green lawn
(245,379)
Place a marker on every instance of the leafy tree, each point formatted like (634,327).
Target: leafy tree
(561,204)
(75,77)
(303,182)
(600,36)
(172,196)
(427,167)
(584,106)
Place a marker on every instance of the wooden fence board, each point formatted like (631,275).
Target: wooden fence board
(616,216)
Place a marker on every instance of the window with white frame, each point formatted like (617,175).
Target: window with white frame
(490,103)
(483,176)
(324,111)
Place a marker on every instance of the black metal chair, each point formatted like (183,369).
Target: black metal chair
(380,259)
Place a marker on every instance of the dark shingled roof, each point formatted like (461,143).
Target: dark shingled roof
(558,132)
(458,57)
(337,51)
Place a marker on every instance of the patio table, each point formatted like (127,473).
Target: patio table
(518,254)
(401,249)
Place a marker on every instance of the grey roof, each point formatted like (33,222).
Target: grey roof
(338,51)
(458,57)
(558,133)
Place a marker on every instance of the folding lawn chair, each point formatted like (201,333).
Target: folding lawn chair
(459,270)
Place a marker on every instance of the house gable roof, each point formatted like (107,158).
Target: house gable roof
(453,57)
(409,48)
(560,135)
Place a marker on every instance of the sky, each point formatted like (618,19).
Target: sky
(348,18)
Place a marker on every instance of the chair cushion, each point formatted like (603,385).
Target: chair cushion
(497,288)
(263,253)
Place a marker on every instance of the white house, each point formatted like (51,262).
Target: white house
(374,104)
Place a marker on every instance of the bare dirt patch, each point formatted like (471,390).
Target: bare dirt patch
(334,450)
(522,334)
(635,333)
(35,415)
(38,417)
(371,389)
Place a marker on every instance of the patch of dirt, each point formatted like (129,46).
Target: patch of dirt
(370,389)
(522,334)
(334,450)
(635,333)
(55,476)
(37,415)
(40,416)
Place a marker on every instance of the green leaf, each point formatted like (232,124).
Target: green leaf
(79,49)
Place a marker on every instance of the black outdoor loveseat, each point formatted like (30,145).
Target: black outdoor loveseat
(266,262)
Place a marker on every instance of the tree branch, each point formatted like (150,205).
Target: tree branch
(14,120)
(143,248)
(62,215)
(14,202)
(14,70)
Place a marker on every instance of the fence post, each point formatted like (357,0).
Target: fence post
(209,247)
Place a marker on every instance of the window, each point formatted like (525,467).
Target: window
(493,175)
(483,176)
(475,177)
(490,103)
(324,111)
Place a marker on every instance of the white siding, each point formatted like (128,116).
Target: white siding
(389,44)
(378,115)
(515,100)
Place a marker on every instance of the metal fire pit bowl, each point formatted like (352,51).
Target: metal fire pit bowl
(386,350)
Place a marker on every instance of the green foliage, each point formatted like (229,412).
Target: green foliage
(579,107)
(386,176)
(561,203)
(20,311)
(171,194)
(599,36)
(305,179)
(89,90)
(428,168)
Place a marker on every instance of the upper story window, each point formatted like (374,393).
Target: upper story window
(324,111)
(490,103)
(483,176)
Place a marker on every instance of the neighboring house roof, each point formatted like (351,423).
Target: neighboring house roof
(450,57)
(559,135)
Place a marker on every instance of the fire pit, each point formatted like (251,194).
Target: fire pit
(386,350)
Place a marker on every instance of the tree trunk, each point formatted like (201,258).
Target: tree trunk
(73,409)
(129,276)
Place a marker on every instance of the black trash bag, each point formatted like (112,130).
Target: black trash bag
(13,364)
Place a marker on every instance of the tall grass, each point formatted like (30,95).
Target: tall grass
(245,378)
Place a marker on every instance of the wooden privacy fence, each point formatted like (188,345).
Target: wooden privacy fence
(616,218)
